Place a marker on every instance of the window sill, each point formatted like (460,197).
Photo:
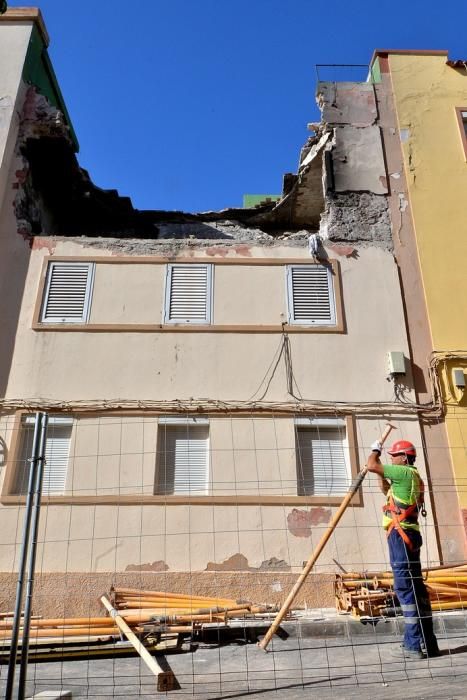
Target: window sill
(144,499)
(182,328)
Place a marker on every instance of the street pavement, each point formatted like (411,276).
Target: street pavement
(300,666)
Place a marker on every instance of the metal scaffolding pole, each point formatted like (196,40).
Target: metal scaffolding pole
(36,511)
(36,461)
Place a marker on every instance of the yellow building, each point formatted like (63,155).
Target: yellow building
(430,104)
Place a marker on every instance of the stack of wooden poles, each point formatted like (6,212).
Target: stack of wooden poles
(137,616)
(182,609)
(371,593)
(172,613)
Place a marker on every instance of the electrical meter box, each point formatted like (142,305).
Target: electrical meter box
(395,362)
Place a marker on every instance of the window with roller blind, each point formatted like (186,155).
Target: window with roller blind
(310,295)
(67,294)
(462,120)
(323,457)
(57,451)
(182,462)
(188,294)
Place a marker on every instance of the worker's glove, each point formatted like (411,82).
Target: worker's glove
(377,447)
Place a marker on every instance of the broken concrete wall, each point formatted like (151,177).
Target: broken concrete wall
(347,103)
(357,217)
(356,206)
(358,160)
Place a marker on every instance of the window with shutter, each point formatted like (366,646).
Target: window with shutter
(57,449)
(310,295)
(67,292)
(462,119)
(182,457)
(323,464)
(188,294)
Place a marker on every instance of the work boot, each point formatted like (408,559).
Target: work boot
(432,651)
(407,654)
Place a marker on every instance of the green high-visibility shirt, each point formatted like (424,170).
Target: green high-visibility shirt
(405,489)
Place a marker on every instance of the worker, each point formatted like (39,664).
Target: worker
(404,488)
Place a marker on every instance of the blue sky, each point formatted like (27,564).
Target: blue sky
(188,104)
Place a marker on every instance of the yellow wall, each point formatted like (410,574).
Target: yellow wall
(426,93)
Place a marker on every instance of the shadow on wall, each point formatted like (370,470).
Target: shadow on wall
(14,264)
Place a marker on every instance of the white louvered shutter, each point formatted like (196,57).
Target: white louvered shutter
(68,292)
(322,468)
(188,294)
(183,459)
(311,295)
(57,450)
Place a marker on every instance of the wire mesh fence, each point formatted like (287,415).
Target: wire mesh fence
(195,528)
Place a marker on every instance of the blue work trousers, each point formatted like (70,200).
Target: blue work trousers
(411,592)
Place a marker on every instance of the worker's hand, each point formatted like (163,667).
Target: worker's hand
(377,447)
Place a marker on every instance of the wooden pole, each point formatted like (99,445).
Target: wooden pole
(134,592)
(165,679)
(319,548)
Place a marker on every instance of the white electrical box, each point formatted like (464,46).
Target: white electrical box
(395,362)
(458,377)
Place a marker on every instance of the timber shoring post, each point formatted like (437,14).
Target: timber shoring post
(23,557)
(318,549)
(36,511)
(165,679)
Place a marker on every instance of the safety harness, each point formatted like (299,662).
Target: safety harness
(400,512)
(398,516)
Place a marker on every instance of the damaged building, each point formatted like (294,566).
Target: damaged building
(213,380)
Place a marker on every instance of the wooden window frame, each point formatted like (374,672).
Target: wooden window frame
(38,325)
(9,498)
(461,121)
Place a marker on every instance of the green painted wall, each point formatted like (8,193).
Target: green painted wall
(376,71)
(252,200)
(38,71)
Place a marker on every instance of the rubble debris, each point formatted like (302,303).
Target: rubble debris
(334,191)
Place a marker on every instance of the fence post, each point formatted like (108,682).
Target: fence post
(36,511)
(34,461)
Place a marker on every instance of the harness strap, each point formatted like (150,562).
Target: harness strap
(399,515)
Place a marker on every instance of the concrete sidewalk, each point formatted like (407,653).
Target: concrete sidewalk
(301,666)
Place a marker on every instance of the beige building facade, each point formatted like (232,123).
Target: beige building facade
(212,389)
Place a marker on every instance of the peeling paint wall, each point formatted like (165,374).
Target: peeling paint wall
(426,92)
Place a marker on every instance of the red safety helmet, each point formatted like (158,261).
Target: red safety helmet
(403,447)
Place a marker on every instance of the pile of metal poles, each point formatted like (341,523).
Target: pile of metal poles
(371,594)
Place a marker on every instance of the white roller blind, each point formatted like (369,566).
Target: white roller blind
(183,459)
(322,461)
(188,294)
(67,292)
(57,450)
(311,295)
